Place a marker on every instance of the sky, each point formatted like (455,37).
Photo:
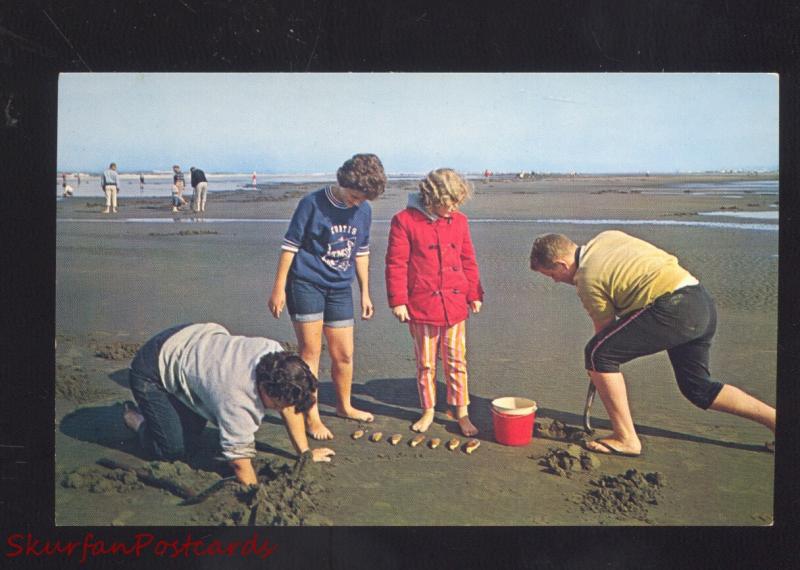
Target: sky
(415,122)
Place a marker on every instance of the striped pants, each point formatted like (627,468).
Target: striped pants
(450,343)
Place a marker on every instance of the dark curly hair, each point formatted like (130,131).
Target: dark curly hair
(363,172)
(285,377)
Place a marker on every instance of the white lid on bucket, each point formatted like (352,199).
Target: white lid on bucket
(514,406)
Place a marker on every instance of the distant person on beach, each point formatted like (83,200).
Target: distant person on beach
(325,247)
(78,178)
(253,178)
(200,186)
(178,184)
(641,301)
(110,183)
(141,181)
(432,281)
(190,374)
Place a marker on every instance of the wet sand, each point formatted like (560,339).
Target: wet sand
(119,283)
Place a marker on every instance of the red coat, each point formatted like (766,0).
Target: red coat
(431,267)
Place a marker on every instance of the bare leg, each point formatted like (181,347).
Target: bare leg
(732,400)
(340,345)
(424,422)
(309,345)
(467,427)
(611,387)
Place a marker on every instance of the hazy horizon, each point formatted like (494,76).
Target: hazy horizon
(505,122)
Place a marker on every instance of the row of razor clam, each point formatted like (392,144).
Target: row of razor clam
(433,443)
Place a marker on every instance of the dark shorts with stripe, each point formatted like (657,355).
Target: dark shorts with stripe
(683,323)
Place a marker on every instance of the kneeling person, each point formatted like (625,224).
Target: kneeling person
(190,374)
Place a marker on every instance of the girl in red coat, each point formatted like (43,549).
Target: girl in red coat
(432,280)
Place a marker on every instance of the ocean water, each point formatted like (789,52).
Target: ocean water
(160,185)
(589,222)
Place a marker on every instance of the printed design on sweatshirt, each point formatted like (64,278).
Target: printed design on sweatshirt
(340,247)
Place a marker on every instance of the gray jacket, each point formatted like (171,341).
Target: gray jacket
(213,373)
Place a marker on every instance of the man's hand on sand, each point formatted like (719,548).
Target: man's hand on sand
(322,454)
(401,312)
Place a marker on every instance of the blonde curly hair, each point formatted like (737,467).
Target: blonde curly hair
(444,187)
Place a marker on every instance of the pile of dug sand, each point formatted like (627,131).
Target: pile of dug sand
(627,495)
(117,350)
(284,496)
(72,383)
(563,432)
(102,480)
(564,462)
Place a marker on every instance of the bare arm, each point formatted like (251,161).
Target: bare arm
(296,429)
(362,274)
(243,469)
(277,299)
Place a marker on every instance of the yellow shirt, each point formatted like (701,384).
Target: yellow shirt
(618,273)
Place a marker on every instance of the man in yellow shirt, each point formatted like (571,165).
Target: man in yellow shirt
(641,301)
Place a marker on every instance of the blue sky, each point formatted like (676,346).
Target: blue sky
(306,123)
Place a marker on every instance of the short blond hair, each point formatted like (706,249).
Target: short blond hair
(549,247)
(444,187)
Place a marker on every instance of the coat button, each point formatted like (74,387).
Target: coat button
(455,268)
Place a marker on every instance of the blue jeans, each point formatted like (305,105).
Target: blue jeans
(308,302)
(170,426)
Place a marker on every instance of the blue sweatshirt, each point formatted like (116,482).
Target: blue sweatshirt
(326,237)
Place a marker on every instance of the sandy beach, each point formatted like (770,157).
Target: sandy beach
(122,278)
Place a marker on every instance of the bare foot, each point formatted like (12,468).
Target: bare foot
(467,427)
(131,416)
(354,414)
(317,430)
(424,422)
(614,446)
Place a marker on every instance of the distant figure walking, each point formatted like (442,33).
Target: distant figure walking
(200,185)
(141,182)
(254,178)
(110,184)
(178,184)
(78,178)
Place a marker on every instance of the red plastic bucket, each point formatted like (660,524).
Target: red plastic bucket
(514,425)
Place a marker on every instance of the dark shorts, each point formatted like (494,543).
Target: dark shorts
(308,302)
(683,323)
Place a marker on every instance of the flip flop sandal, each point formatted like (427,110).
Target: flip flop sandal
(611,450)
